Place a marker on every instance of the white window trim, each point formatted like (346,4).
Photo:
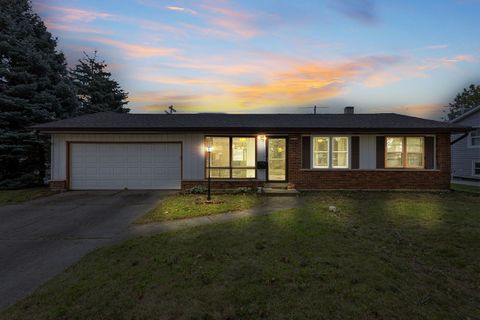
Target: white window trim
(405,153)
(474,162)
(312,142)
(330,152)
(469,144)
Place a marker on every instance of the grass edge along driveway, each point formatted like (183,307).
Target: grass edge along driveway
(22,195)
(381,255)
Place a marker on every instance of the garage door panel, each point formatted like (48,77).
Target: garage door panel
(125,165)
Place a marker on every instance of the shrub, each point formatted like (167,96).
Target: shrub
(198,190)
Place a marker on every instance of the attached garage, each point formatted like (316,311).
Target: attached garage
(132,165)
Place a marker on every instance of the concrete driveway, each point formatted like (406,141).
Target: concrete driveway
(40,238)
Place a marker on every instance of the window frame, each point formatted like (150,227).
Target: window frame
(474,164)
(470,138)
(230,168)
(330,152)
(404,153)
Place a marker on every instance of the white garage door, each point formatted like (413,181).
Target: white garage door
(125,165)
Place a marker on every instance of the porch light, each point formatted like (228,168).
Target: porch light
(261,137)
(209,148)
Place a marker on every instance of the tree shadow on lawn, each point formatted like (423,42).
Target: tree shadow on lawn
(381,255)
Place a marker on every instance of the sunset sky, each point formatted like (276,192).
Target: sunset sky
(409,57)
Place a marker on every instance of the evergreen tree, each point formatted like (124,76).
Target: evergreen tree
(34,88)
(468,99)
(96,90)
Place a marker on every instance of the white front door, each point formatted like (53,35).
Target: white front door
(113,166)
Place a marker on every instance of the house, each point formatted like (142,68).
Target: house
(309,151)
(466,152)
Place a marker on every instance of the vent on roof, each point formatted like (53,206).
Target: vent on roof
(349,110)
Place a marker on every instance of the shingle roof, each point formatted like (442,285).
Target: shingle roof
(109,121)
(466,114)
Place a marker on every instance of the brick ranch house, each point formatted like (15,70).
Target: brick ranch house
(308,151)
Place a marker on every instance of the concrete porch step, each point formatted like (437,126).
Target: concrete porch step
(280,192)
(276,185)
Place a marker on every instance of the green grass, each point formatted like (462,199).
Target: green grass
(465,188)
(22,195)
(182,206)
(380,256)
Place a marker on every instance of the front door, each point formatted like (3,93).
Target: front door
(277,159)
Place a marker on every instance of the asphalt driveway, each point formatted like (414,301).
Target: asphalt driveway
(40,238)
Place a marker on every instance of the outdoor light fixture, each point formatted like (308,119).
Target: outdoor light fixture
(209,150)
(261,137)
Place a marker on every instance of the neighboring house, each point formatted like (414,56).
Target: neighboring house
(466,152)
(308,151)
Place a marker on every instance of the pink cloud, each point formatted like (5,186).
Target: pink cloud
(137,50)
(437,63)
(73,14)
(73,28)
(236,21)
(437,46)
(181,9)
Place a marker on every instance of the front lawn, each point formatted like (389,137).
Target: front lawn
(379,256)
(465,188)
(191,205)
(22,195)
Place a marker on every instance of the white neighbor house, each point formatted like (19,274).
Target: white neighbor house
(466,152)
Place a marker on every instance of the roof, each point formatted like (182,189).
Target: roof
(466,114)
(110,121)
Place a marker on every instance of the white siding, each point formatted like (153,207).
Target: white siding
(193,149)
(368,152)
(261,156)
(464,155)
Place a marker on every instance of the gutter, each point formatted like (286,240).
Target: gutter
(252,129)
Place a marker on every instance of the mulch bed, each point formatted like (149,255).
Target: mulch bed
(205,201)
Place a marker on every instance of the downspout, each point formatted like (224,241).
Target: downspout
(459,138)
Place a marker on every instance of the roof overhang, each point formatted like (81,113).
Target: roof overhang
(255,130)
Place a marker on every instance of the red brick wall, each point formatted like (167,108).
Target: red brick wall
(370,179)
(57,184)
(222,184)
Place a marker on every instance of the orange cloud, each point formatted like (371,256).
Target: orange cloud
(381,79)
(272,80)
(136,50)
(299,84)
(304,84)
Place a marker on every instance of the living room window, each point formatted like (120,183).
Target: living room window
(330,152)
(404,152)
(231,157)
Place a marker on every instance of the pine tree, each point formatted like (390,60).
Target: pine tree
(34,88)
(96,90)
(468,99)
